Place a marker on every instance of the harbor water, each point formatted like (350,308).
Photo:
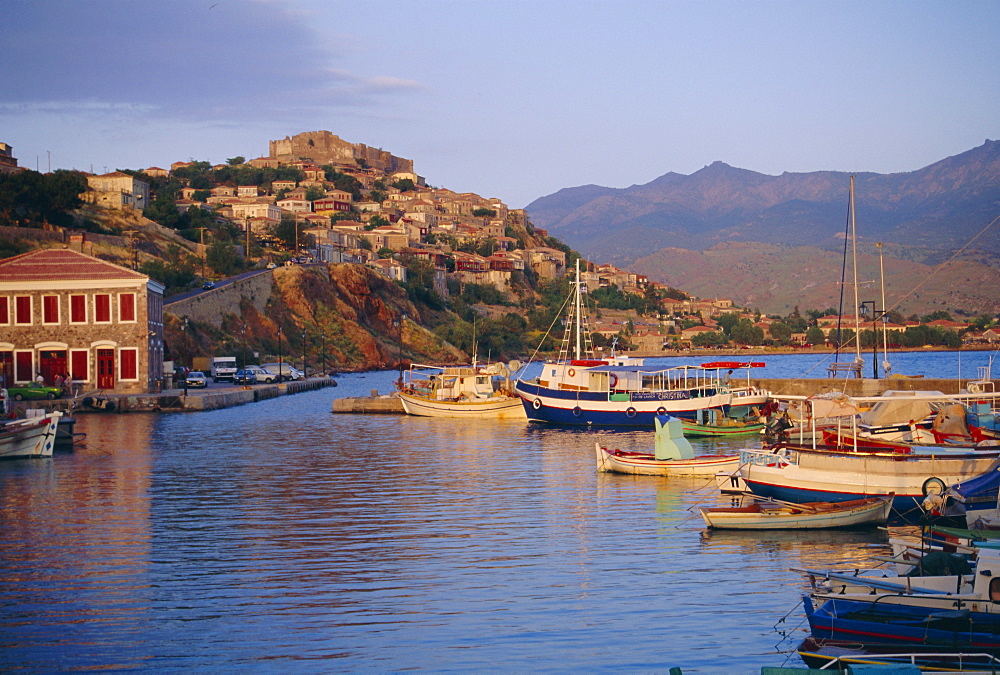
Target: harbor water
(276,536)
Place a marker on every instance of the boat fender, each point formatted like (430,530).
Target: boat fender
(577,411)
(613,380)
(630,412)
(571,372)
(933,485)
(536,404)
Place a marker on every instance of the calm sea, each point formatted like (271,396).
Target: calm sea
(278,536)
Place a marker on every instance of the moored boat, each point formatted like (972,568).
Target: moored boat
(30,437)
(462,392)
(672,456)
(578,389)
(772,515)
(805,474)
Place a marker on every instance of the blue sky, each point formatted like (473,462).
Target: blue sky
(514,99)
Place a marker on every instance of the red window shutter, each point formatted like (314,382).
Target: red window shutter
(102,308)
(22,365)
(78,308)
(130,369)
(50,309)
(22,309)
(4,311)
(126,307)
(78,365)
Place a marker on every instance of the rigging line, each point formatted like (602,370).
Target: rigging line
(542,341)
(942,265)
(843,276)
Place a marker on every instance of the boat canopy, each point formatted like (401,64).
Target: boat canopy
(896,411)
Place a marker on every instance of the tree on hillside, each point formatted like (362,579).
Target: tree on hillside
(815,336)
(236,161)
(745,333)
(30,199)
(484,213)
(781,332)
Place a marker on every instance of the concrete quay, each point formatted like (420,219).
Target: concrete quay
(175,400)
(386,404)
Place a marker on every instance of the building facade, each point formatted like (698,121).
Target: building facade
(64,312)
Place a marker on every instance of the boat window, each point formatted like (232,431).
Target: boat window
(995,590)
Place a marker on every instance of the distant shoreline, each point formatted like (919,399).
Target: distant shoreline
(747,354)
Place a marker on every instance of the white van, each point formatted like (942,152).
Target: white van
(263,374)
(285,371)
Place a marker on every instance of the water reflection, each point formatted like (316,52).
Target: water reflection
(279,535)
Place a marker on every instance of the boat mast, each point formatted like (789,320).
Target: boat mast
(578,308)
(886,366)
(857,306)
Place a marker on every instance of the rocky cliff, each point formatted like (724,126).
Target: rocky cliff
(347,317)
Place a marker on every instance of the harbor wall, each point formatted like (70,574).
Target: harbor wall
(211,306)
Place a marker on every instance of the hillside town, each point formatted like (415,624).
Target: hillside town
(69,313)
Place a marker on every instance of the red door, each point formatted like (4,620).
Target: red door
(105,368)
(6,369)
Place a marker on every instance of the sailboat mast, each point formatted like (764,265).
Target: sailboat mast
(885,331)
(579,305)
(854,255)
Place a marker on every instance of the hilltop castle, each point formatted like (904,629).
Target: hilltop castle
(322,147)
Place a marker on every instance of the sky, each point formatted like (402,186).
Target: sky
(514,99)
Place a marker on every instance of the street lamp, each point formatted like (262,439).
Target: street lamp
(324,353)
(184,324)
(866,306)
(399,343)
(279,355)
(305,372)
(244,345)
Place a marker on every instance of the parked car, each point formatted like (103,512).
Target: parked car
(263,374)
(33,390)
(284,371)
(208,285)
(245,376)
(196,378)
(271,265)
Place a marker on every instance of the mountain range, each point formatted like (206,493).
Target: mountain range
(776,242)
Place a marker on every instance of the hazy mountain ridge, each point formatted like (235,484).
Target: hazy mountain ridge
(923,216)
(777,278)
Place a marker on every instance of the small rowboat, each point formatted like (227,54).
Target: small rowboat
(644,463)
(778,515)
(693,429)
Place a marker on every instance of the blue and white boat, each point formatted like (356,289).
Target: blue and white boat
(581,390)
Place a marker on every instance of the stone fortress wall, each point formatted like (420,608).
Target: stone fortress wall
(323,147)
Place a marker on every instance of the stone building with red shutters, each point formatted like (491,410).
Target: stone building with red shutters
(64,312)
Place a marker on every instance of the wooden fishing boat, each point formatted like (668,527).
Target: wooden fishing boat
(644,463)
(776,515)
(460,391)
(672,456)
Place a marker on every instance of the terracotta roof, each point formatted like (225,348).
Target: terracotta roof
(60,265)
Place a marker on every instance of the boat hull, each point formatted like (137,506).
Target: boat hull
(638,463)
(497,407)
(939,626)
(637,409)
(813,516)
(807,476)
(32,437)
